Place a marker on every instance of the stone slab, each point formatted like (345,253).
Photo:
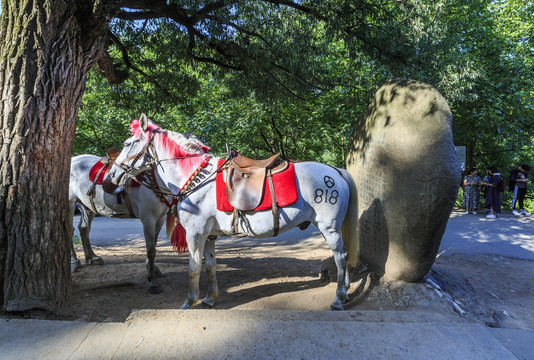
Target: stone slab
(520,342)
(41,339)
(230,334)
(401,156)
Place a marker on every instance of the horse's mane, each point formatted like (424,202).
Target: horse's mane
(176,145)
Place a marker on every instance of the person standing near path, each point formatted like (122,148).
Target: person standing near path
(471,191)
(519,180)
(493,192)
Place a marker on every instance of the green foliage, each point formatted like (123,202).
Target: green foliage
(76,240)
(295,82)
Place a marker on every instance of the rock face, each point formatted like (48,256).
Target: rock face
(402,158)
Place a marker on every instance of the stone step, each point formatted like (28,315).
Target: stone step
(412,316)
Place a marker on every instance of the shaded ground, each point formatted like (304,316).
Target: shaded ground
(491,290)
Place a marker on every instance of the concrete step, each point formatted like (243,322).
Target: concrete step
(240,334)
(411,316)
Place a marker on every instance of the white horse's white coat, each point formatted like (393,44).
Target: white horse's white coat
(146,206)
(323,198)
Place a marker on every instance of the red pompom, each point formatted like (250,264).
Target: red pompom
(178,239)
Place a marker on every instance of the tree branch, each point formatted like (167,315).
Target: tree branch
(279,82)
(240,29)
(206,10)
(129,64)
(280,138)
(298,77)
(299,7)
(109,69)
(138,15)
(269,148)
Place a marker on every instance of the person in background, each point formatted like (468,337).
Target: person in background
(493,195)
(519,180)
(471,191)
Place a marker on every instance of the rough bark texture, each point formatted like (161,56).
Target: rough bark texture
(47,47)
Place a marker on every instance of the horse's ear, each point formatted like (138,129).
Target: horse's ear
(143,122)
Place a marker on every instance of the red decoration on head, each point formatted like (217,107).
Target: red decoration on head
(204,147)
(136,130)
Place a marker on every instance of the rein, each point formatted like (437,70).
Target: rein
(188,187)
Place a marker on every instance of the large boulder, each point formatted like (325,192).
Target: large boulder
(402,158)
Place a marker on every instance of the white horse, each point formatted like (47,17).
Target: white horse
(144,205)
(324,195)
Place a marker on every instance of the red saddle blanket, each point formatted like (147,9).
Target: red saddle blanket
(96,169)
(285,190)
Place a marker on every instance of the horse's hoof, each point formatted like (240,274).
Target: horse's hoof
(155,289)
(336,306)
(208,303)
(96,261)
(185,306)
(75,265)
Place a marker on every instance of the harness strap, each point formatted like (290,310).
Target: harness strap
(137,156)
(128,204)
(276,221)
(92,203)
(92,188)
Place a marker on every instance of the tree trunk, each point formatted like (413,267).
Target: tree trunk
(470,155)
(47,48)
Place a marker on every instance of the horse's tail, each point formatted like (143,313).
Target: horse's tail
(349,228)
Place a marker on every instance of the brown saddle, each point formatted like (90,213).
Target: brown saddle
(108,160)
(111,155)
(245,179)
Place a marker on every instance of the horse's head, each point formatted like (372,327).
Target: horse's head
(135,156)
(150,146)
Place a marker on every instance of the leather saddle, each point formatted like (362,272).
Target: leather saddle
(112,155)
(108,160)
(245,179)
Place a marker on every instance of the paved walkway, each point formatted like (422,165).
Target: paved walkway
(233,334)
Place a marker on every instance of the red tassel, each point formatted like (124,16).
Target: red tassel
(171,220)
(178,239)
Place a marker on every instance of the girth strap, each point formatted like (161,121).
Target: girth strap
(92,188)
(276,222)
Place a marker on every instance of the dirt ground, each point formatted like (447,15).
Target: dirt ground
(494,291)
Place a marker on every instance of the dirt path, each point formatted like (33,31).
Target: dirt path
(491,290)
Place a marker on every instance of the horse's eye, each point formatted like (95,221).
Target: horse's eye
(130,142)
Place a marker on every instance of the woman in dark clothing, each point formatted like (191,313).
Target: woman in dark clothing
(493,195)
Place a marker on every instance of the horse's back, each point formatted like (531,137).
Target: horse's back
(323,187)
(80,166)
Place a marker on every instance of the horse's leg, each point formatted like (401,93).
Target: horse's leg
(149,229)
(159,225)
(336,244)
(211,264)
(196,249)
(75,263)
(85,228)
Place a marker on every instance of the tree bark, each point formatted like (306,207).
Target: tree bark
(47,48)
(470,155)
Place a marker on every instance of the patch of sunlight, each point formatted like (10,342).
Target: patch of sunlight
(524,241)
(263,282)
